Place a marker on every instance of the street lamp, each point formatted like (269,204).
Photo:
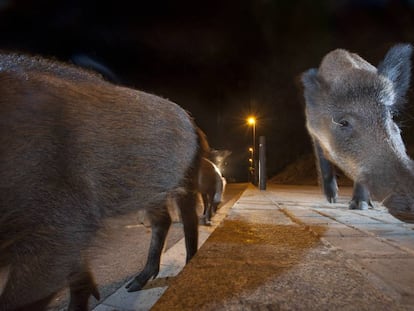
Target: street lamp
(252,122)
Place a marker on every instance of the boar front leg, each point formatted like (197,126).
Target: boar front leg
(327,174)
(360,198)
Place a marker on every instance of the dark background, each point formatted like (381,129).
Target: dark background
(222,60)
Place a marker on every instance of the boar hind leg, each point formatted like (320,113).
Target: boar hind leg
(187,205)
(82,285)
(160,223)
(207,209)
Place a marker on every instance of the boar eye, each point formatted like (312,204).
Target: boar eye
(341,122)
(344,123)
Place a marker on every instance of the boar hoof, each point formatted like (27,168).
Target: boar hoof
(206,221)
(330,189)
(136,284)
(331,196)
(361,205)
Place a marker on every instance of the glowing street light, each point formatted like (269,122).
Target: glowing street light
(251,120)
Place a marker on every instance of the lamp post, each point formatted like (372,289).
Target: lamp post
(252,122)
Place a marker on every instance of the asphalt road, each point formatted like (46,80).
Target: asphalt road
(123,250)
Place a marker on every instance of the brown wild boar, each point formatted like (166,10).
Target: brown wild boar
(76,150)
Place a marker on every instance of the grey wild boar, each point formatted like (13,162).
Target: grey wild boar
(349,110)
(77,150)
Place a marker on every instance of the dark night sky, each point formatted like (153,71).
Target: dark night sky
(220,60)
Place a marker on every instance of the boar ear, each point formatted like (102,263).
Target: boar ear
(312,85)
(396,66)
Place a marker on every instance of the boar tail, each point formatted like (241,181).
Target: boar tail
(204,148)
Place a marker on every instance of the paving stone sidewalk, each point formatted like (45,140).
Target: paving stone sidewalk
(287,249)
